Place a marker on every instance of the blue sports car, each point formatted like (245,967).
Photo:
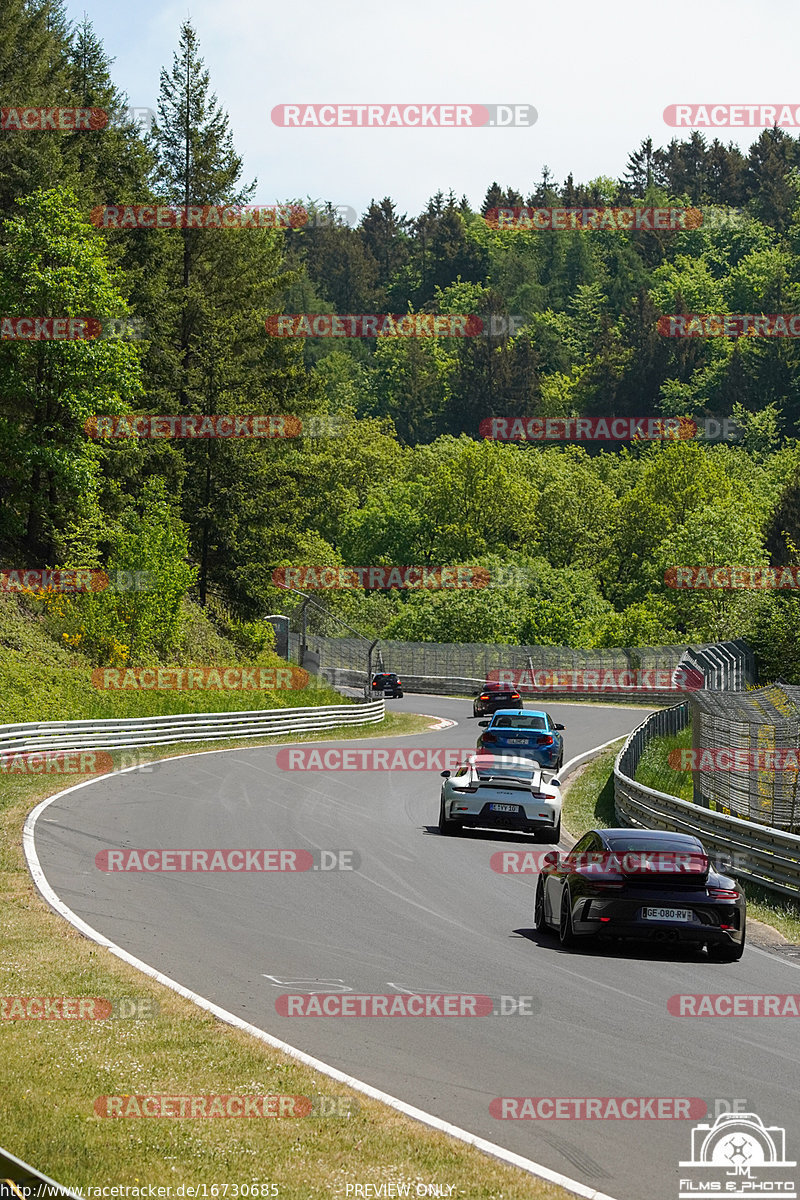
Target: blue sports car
(529,734)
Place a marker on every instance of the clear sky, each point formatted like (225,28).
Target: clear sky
(599,75)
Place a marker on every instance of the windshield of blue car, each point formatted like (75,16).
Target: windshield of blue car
(521,721)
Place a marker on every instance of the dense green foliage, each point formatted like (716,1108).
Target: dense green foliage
(576,538)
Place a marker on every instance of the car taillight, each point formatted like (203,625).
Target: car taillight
(723,893)
(399,682)
(490,737)
(544,741)
(483,697)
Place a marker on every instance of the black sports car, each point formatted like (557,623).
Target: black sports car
(641,883)
(493,696)
(387,684)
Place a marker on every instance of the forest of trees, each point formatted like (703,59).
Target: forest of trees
(577,538)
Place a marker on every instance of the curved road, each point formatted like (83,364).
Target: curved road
(423,913)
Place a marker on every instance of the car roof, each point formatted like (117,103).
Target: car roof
(515,712)
(659,836)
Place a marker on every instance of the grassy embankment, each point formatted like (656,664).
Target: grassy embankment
(54,1070)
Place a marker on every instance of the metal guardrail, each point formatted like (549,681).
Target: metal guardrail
(127,732)
(761,854)
(444,685)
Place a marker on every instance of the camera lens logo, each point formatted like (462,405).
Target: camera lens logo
(738,1155)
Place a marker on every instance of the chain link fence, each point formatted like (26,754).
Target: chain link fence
(652,672)
(764,726)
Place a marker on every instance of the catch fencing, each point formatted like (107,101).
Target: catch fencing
(464,667)
(756,723)
(761,854)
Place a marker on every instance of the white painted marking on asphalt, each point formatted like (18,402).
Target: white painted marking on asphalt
(417,1114)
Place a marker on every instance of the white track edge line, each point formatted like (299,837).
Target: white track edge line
(416,1114)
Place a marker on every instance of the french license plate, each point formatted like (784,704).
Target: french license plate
(517,741)
(666,914)
(505,808)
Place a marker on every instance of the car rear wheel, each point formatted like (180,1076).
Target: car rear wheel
(725,951)
(566,933)
(447,828)
(539,923)
(552,835)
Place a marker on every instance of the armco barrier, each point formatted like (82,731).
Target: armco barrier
(126,732)
(442,685)
(763,855)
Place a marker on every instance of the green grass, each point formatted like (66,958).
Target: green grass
(54,1070)
(589,799)
(589,803)
(42,679)
(654,770)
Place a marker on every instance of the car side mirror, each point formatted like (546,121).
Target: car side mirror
(558,726)
(725,863)
(484,724)
(445,774)
(554,782)
(550,860)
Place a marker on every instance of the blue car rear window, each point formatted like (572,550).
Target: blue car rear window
(523,721)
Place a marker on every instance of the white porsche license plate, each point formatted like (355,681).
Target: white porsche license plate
(505,808)
(666,914)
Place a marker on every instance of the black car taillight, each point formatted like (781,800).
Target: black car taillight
(723,893)
(490,737)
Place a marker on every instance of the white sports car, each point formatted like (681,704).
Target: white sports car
(498,791)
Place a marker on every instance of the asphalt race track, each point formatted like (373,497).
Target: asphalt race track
(423,913)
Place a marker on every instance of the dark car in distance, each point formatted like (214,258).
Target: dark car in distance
(641,884)
(493,696)
(386,683)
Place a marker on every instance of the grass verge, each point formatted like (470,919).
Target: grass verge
(589,803)
(54,1070)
